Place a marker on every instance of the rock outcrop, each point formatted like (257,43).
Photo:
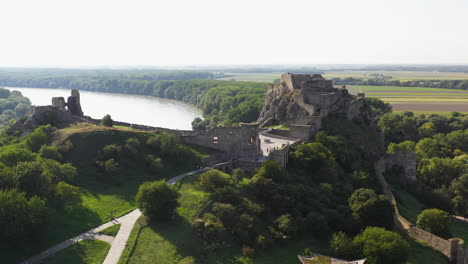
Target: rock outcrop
(302,99)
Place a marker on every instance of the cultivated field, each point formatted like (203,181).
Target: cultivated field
(396,75)
(419,99)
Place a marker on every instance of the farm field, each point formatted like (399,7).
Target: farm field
(419,99)
(399,75)
(396,75)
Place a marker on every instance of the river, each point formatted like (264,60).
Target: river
(136,109)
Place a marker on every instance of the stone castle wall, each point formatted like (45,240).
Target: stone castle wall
(452,248)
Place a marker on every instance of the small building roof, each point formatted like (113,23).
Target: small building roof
(315,258)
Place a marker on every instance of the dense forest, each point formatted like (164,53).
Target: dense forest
(12,106)
(441,145)
(449,84)
(222,102)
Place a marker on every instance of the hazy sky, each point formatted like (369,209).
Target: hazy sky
(174,32)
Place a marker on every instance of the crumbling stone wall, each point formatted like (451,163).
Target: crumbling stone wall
(404,160)
(305,99)
(236,142)
(452,248)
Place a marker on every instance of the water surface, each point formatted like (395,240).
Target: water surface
(136,109)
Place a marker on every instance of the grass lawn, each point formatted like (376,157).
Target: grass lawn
(123,127)
(422,253)
(83,252)
(111,231)
(410,207)
(170,242)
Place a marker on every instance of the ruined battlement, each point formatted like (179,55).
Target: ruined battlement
(306,82)
(304,99)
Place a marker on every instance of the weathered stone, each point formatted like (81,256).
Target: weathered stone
(73,103)
(59,102)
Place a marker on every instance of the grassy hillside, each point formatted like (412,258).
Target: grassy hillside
(100,194)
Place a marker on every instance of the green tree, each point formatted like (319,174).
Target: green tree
(12,154)
(66,194)
(408,146)
(380,246)
(132,147)
(287,225)
(50,152)
(111,152)
(427,148)
(378,106)
(436,172)
(434,221)
(460,189)
(271,170)
(237,175)
(427,130)
(20,217)
(107,121)
(7,177)
(213,179)
(314,157)
(157,200)
(371,209)
(341,246)
(155,164)
(31,179)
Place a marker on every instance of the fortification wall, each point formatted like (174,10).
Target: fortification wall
(236,142)
(302,132)
(280,156)
(452,248)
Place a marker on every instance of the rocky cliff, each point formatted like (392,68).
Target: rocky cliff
(300,98)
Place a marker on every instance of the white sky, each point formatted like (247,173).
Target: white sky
(75,33)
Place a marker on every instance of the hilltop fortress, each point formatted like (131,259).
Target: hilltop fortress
(301,101)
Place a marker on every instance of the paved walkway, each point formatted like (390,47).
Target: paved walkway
(117,244)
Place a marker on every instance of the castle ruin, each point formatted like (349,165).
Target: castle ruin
(301,101)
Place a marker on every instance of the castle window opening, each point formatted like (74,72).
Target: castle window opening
(215,140)
(251,140)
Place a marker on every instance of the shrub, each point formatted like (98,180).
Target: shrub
(11,155)
(59,172)
(66,194)
(107,121)
(286,225)
(380,246)
(155,164)
(111,152)
(157,200)
(20,217)
(37,138)
(31,179)
(213,179)
(187,260)
(237,175)
(371,209)
(341,246)
(434,221)
(209,228)
(154,142)
(49,152)
(248,251)
(132,146)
